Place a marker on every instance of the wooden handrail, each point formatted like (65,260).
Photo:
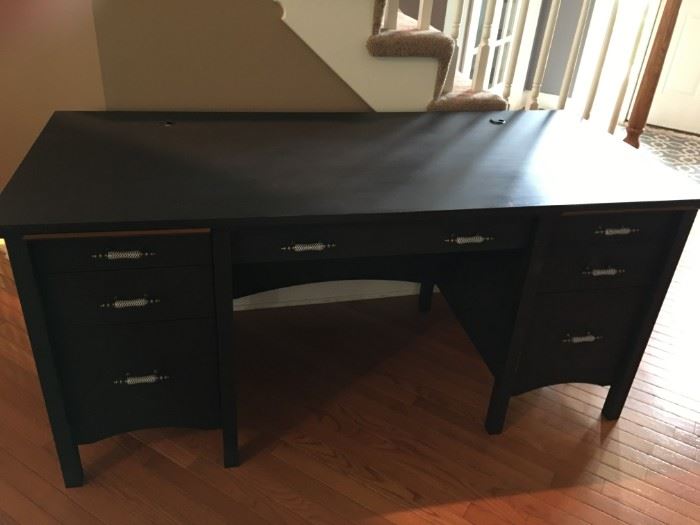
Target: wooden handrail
(652,73)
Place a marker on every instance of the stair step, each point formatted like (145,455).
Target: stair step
(407,41)
(468,100)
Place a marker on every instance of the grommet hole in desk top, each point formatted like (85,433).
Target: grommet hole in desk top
(498,121)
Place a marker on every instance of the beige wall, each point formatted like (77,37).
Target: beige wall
(48,60)
(152,54)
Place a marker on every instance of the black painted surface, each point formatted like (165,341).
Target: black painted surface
(389,192)
(582,267)
(115,253)
(94,361)
(551,356)
(173,293)
(413,236)
(484,292)
(51,387)
(615,229)
(125,170)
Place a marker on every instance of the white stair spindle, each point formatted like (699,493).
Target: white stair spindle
(524,36)
(391,14)
(470,42)
(455,26)
(601,61)
(425,12)
(515,48)
(626,80)
(455,15)
(484,51)
(543,57)
(494,44)
(503,38)
(573,55)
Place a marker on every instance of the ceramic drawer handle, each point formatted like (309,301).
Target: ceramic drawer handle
(603,272)
(137,302)
(614,232)
(122,255)
(580,339)
(471,239)
(148,379)
(298,247)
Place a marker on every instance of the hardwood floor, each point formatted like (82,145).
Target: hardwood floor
(370,412)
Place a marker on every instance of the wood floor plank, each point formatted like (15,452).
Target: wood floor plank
(21,508)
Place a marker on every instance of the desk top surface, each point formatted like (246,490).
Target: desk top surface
(112,170)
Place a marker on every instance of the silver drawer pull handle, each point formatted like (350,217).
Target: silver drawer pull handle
(308,247)
(472,239)
(122,255)
(611,232)
(140,302)
(149,379)
(579,339)
(604,272)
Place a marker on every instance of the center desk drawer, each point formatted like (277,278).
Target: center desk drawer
(124,377)
(359,240)
(130,295)
(120,251)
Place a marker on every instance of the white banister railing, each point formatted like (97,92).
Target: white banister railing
(484,52)
(507,10)
(455,26)
(391,14)
(495,41)
(471,37)
(515,48)
(573,55)
(545,50)
(624,85)
(425,13)
(595,82)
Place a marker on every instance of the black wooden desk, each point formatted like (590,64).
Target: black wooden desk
(129,233)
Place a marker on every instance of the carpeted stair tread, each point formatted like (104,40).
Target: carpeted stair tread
(468,100)
(407,41)
(415,43)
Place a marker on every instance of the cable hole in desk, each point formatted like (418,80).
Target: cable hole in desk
(498,121)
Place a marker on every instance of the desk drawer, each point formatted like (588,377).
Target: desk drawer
(124,296)
(615,228)
(358,240)
(114,252)
(587,267)
(579,337)
(121,378)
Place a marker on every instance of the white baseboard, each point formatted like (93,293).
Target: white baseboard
(328,292)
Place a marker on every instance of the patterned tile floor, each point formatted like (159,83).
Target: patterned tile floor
(679,150)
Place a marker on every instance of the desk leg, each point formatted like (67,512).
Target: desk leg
(425,298)
(223,296)
(617,395)
(502,388)
(34,317)
(498,408)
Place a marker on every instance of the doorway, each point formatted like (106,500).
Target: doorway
(677,101)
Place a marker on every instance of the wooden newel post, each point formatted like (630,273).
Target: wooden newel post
(652,73)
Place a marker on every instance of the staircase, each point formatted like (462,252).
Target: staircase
(405,37)
(392,61)
(489,55)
